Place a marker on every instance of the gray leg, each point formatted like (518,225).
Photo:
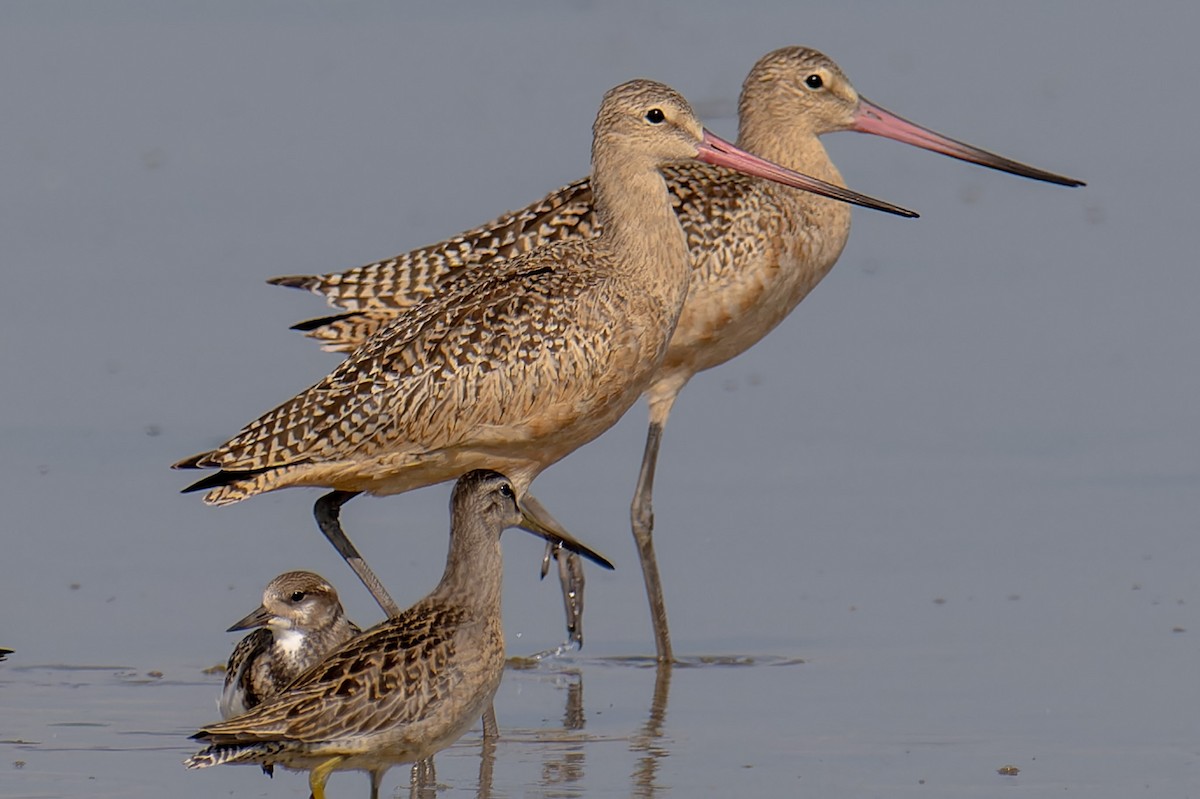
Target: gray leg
(377,780)
(328,510)
(570,577)
(641,516)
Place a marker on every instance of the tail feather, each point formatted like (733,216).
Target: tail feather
(222,479)
(322,321)
(303,282)
(345,332)
(198,461)
(229,487)
(219,754)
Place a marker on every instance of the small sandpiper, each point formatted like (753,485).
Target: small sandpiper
(299,622)
(411,685)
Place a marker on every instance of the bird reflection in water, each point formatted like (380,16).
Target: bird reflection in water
(650,743)
(564,760)
(564,748)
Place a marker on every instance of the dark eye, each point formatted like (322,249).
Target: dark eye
(506,491)
(655,116)
(814,81)
(297,596)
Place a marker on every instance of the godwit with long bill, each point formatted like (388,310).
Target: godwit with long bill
(757,249)
(510,368)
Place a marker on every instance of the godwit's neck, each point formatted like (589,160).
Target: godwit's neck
(787,144)
(639,227)
(823,224)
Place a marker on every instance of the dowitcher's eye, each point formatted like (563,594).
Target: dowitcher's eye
(814,81)
(506,491)
(297,596)
(655,116)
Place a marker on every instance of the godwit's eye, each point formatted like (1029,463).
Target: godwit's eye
(814,81)
(506,491)
(655,116)
(298,596)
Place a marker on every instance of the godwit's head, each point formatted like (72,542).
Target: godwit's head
(802,91)
(648,123)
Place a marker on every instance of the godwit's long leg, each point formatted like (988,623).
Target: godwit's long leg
(328,512)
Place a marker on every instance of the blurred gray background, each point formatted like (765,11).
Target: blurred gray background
(963,476)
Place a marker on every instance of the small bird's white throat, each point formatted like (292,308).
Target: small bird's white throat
(290,642)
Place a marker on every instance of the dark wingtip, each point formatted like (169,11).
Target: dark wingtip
(316,324)
(212,481)
(192,461)
(293,281)
(223,478)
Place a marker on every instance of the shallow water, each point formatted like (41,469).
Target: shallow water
(961,485)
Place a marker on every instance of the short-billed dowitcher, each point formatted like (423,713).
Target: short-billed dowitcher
(757,249)
(512,368)
(411,685)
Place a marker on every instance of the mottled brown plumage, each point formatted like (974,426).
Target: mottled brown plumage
(757,249)
(407,687)
(515,367)
(413,277)
(299,621)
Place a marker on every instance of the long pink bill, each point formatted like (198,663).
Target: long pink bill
(870,118)
(715,150)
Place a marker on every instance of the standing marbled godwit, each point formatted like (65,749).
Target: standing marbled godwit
(299,621)
(514,368)
(756,250)
(411,685)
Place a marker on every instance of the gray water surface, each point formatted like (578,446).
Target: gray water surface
(961,484)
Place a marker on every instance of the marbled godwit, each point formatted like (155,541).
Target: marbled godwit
(299,622)
(756,250)
(510,369)
(413,684)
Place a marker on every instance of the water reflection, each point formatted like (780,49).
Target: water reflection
(422,780)
(487,765)
(650,741)
(564,762)
(561,748)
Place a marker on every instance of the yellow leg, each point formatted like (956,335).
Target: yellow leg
(320,775)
